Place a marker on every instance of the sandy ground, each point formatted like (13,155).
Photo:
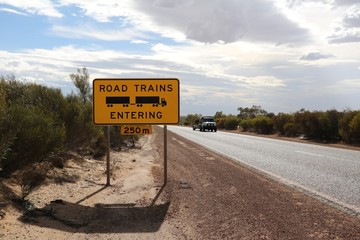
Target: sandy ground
(75,204)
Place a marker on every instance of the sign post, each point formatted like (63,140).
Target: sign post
(165,154)
(119,101)
(108,157)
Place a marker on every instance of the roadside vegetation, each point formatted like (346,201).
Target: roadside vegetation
(41,128)
(326,126)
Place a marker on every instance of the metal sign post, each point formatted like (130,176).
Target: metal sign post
(108,158)
(165,154)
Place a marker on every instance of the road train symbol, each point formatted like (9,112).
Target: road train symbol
(139,101)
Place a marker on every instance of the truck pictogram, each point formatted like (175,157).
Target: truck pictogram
(139,101)
(110,101)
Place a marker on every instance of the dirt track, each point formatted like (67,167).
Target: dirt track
(215,198)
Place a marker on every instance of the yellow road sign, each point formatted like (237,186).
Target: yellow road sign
(135,101)
(135,129)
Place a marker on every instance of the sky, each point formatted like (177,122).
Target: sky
(282,55)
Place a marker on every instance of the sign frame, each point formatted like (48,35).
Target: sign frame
(140,101)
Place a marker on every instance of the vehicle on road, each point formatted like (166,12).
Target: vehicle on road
(206,123)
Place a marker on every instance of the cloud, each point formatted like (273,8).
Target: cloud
(295,3)
(315,56)
(101,11)
(95,33)
(345,36)
(39,7)
(352,18)
(226,21)
(345,86)
(9,10)
(348,27)
(346,2)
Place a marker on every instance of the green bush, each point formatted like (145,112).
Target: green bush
(280,120)
(231,122)
(354,127)
(309,124)
(263,124)
(290,129)
(344,126)
(7,136)
(191,119)
(36,121)
(220,123)
(329,124)
(246,125)
(37,135)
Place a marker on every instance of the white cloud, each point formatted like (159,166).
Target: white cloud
(9,10)
(315,56)
(90,32)
(352,18)
(139,42)
(346,2)
(39,7)
(102,11)
(348,27)
(227,21)
(345,36)
(346,86)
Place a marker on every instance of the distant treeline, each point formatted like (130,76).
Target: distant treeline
(330,125)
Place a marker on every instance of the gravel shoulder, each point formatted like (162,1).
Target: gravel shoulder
(225,200)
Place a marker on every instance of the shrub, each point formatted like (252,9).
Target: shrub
(220,123)
(37,136)
(31,178)
(30,123)
(280,120)
(231,122)
(344,126)
(309,124)
(263,124)
(7,135)
(191,119)
(354,127)
(246,125)
(329,124)
(290,129)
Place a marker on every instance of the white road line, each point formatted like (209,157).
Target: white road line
(324,156)
(309,153)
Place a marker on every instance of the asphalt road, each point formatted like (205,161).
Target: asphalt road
(331,174)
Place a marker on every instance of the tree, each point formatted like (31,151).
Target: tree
(78,118)
(251,112)
(81,82)
(219,114)
(191,119)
